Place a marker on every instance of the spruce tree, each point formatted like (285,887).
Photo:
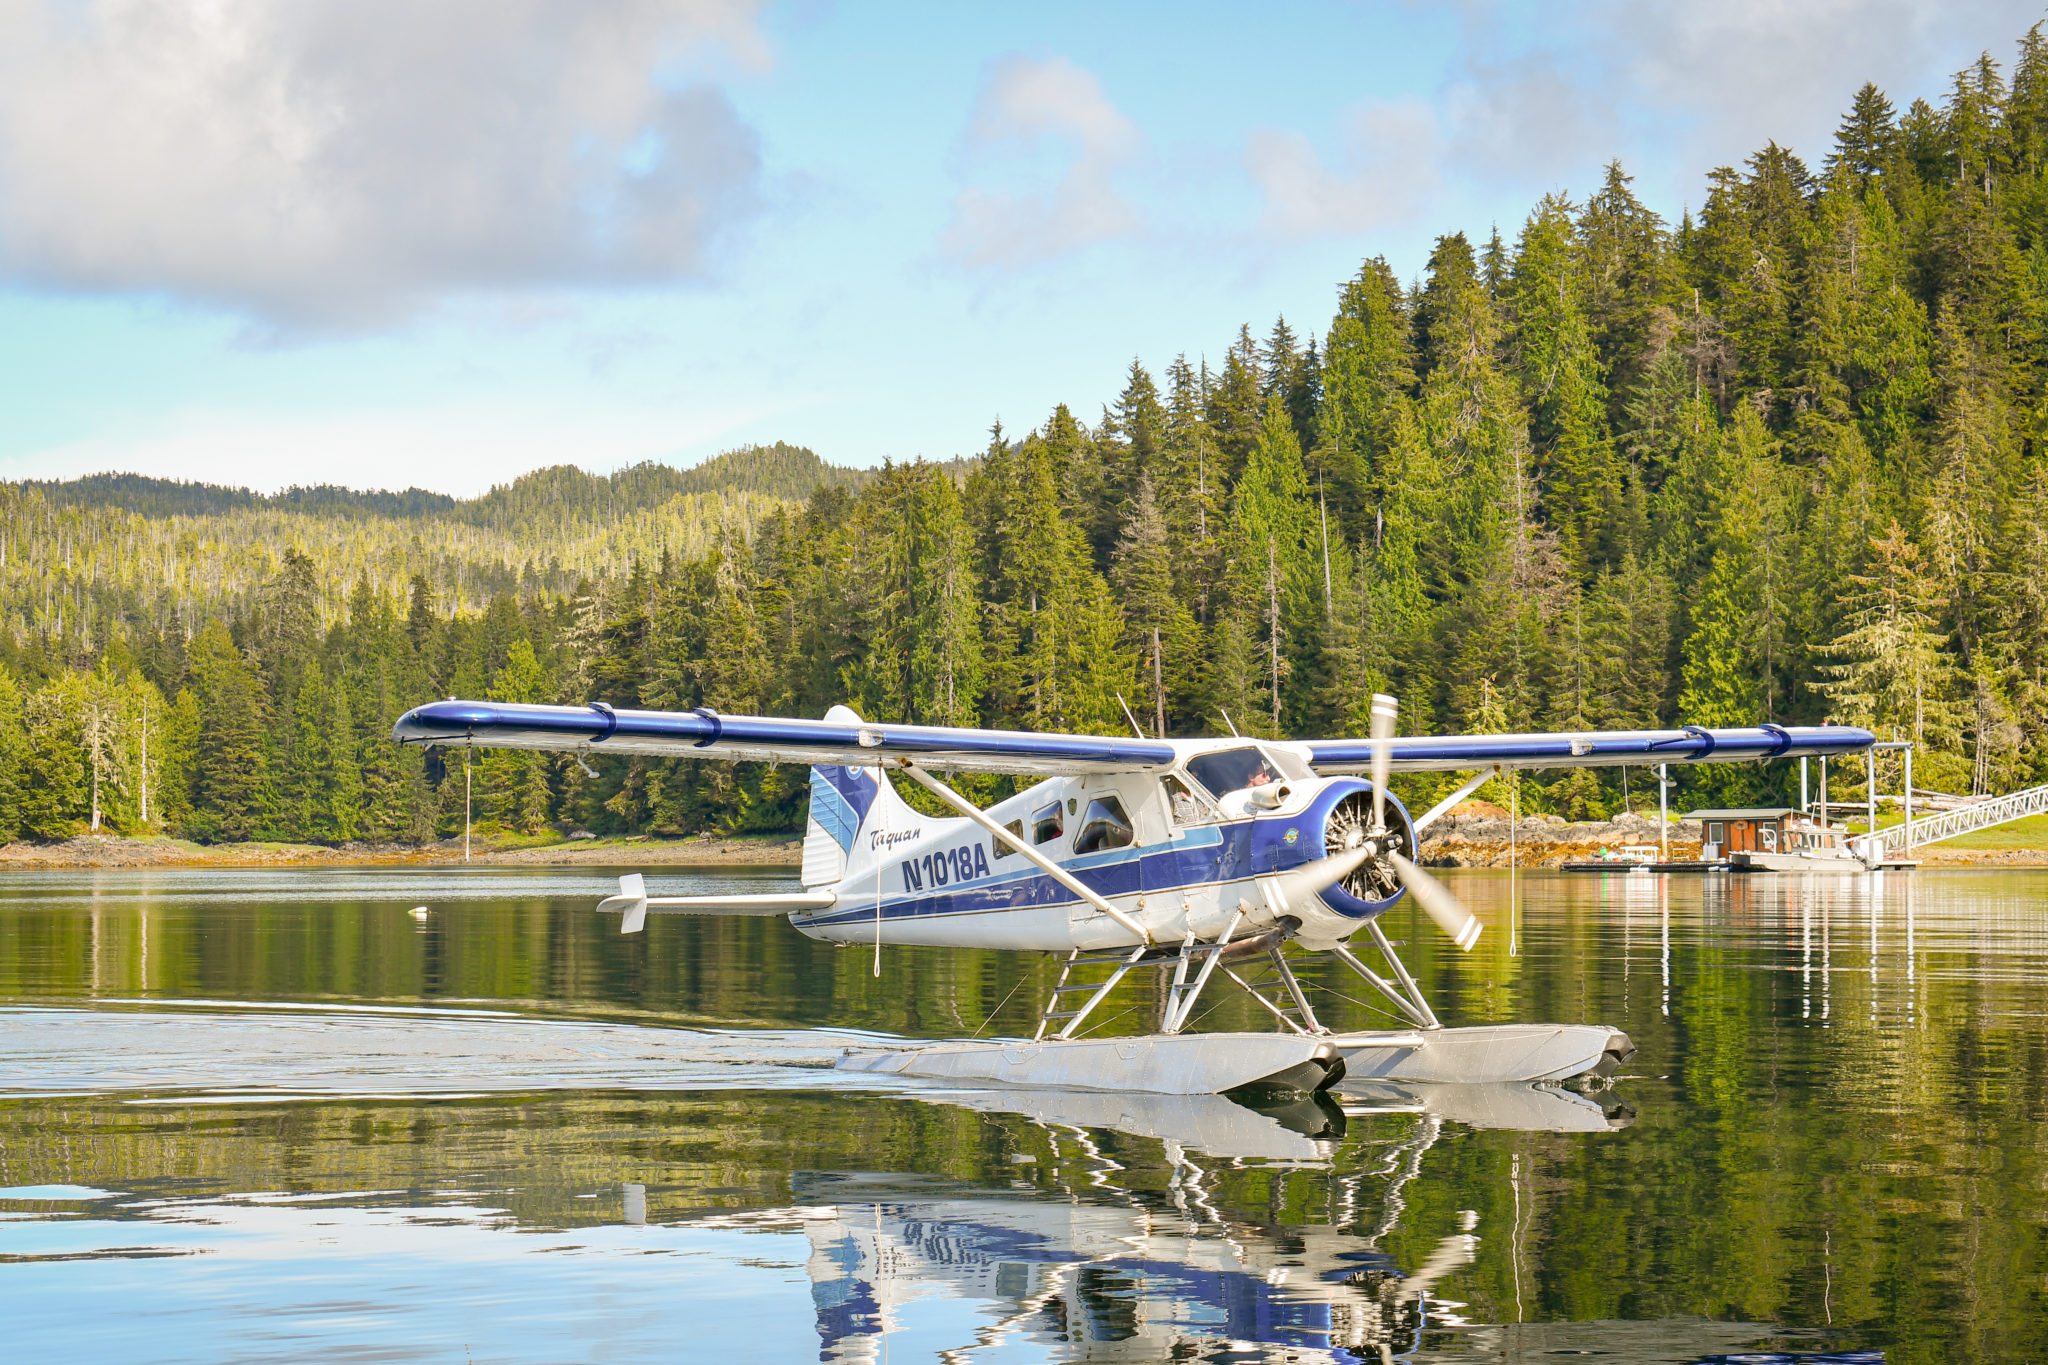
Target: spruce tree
(230,785)
(1275,574)
(54,775)
(13,744)
(1160,627)
(1627,280)
(1863,142)
(1563,386)
(1892,671)
(341,785)
(1368,376)
(1237,404)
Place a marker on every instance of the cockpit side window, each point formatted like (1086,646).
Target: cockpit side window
(1233,770)
(1003,848)
(1180,800)
(1104,827)
(1047,823)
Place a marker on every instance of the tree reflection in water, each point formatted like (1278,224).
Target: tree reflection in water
(1837,1136)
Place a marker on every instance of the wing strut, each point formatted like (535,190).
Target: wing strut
(1044,864)
(1484,776)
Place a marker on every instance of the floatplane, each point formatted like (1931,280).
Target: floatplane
(1204,859)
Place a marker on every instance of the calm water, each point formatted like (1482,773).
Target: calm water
(271,1116)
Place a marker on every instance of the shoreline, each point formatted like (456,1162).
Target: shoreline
(1461,843)
(121,851)
(1482,840)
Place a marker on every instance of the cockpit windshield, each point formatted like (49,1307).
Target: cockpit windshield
(1233,770)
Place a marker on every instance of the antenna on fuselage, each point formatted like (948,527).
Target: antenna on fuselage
(1227,721)
(1136,728)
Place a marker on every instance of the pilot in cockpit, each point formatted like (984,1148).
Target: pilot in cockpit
(1231,770)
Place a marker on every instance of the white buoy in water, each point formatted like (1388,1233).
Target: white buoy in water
(418,912)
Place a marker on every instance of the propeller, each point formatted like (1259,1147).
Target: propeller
(1433,896)
(1382,755)
(1438,903)
(1312,879)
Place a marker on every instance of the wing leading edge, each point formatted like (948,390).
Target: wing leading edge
(1595,748)
(706,734)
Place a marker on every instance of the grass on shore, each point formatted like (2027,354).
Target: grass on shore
(2030,833)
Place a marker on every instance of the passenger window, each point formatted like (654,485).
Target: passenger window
(1004,850)
(1180,801)
(1104,827)
(1047,824)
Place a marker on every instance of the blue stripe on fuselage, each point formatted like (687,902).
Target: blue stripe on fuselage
(1206,855)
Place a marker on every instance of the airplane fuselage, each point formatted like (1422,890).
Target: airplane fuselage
(1174,855)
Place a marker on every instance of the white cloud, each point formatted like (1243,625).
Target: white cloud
(460,448)
(1538,103)
(338,162)
(1029,107)
(1751,71)
(1523,119)
(1384,172)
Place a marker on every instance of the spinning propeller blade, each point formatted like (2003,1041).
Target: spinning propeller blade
(1438,903)
(1433,896)
(1382,755)
(632,899)
(1313,879)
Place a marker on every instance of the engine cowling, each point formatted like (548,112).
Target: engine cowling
(1341,817)
(1374,886)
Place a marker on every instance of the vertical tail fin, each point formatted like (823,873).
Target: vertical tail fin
(845,802)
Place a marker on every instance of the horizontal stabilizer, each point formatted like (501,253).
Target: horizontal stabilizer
(719,905)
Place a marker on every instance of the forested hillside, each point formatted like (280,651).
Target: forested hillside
(1779,460)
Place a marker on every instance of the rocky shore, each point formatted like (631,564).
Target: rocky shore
(1479,838)
(1467,838)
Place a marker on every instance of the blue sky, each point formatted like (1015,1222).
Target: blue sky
(380,244)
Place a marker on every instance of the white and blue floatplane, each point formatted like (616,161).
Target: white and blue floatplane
(1200,858)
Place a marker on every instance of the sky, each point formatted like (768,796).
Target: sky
(386,244)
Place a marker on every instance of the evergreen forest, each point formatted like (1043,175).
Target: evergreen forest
(1784,459)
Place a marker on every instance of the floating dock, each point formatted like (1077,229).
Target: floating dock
(1622,867)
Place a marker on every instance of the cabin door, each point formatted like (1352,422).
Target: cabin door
(1182,859)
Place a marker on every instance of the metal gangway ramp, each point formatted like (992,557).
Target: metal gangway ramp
(1979,814)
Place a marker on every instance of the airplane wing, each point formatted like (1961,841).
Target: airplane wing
(1593,748)
(704,733)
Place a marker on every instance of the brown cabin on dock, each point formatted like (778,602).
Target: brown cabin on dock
(1759,829)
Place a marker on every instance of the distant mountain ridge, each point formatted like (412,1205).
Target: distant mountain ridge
(779,471)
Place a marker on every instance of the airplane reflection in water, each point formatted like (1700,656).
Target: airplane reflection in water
(1113,1273)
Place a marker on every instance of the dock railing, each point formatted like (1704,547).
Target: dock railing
(1980,814)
